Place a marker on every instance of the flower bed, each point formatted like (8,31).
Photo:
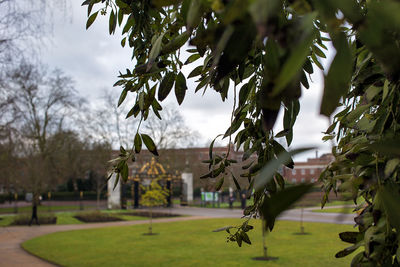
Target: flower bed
(96,216)
(24,219)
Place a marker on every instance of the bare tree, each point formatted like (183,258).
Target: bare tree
(42,102)
(171,131)
(23,25)
(105,121)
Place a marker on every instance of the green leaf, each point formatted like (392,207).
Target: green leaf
(121,4)
(267,173)
(196,72)
(219,184)
(281,201)
(163,3)
(388,147)
(176,43)
(194,14)
(155,50)
(122,97)
(244,93)
(125,172)
(223,229)
(316,61)
(391,203)
(338,78)
(112,22)
(180,87)
(236,183)
(138,143)
(372,91)
(349,237)
(123,41)
(279,149)
(357,112)
(116,181)
(279,179)
(246,238)
(192,58)
(210,149)
(297,56)
(348,250)
(133,111)
(141,101)
(166,86)
(120,17)
(308,66)
(91,19)
(149,143)
(318,51)
(391,166)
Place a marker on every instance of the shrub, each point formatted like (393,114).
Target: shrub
(74,196)
(96,216)
(24,219)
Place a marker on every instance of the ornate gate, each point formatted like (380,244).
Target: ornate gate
(149,171)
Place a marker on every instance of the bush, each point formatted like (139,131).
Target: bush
(74,196)
(156,214)
(96,216)
(24,219)
(2,199)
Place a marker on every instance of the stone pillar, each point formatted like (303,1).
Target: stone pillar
(136,192)
(114,195)
(187,179)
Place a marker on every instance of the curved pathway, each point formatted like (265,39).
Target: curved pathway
(11,238)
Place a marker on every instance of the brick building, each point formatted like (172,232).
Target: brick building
(308,171)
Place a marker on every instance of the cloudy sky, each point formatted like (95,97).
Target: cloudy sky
(93,58)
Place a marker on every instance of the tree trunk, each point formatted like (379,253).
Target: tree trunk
(151,220)
(301,222)
(263,234)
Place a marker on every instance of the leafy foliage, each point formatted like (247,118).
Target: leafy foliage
(154,194)
(264,50)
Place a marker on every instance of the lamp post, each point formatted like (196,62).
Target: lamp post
(15,203)
(48,198)
(80,200)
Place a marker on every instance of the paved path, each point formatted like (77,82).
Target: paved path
(11,238)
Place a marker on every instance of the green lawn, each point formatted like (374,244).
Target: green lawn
(26,209)
(191,243)
(68,217)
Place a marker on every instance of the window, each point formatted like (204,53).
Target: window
(294,172)
(294,180)
(303,171)
(312,171)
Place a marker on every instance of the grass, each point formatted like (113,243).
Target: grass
(27,209)
(68,217)
(191,243)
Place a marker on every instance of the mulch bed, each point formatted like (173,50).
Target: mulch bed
(96,217)
(43,219)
